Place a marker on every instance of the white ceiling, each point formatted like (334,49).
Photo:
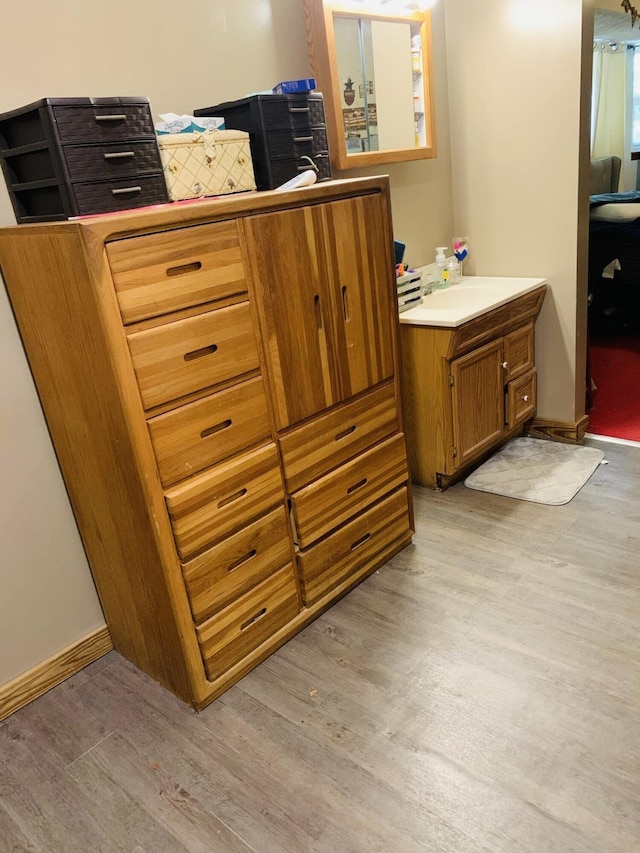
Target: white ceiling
(615,26)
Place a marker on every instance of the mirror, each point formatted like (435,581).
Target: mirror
(374,70)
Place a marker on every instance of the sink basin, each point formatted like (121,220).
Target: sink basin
(462,302)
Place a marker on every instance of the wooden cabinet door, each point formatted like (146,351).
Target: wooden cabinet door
(360,264)
(289,272)
(477,395)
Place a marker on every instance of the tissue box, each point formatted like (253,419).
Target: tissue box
(200,164)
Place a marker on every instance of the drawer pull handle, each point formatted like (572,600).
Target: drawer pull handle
(217,428)
(300,109)
(357,486)
(361,541)
(345,432)
(232,498)
(184,268)
(114,117)
(318,310)
(526,398)
(118,155)
(123,190)
(242,560)
(303,138)
(253,619)
(505,364)
(199,353)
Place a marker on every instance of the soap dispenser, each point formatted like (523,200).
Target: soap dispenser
(440,271)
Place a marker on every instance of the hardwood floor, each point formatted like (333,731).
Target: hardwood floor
(479,693)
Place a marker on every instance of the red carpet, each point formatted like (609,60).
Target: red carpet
(615,369)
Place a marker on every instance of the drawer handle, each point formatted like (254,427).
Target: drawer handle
(345,432)
(118,155)
(303,138)
(232,498)
(300,109)
(357,486)
(361,541)
(318,310)
(505,364)
(126,190)
(249,556)
(114,117)
(526,398)
(184,268)
(217,428)
(199,353)
(253,619)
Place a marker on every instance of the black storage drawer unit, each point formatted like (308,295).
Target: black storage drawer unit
(65,157)
(287,134)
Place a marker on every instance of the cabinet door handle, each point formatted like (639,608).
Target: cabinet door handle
(505,364)
(199,353)
(526,398)
(118,155)
(360,541)
(216,428)
(318,310)
(345,303)
(123,190)
(357,486)
(346,432)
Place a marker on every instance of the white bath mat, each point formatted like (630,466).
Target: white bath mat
(533,469)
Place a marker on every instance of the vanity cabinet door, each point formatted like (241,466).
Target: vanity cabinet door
(477,396)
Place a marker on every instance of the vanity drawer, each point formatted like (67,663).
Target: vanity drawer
(353,546)
(518,352)
(317,447)
(331,500)
(231,568)
(158,273)
(210,505)
(181,357)
(253,618)
(522,398)
(202,433)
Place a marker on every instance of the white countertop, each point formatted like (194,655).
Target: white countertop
(473,296)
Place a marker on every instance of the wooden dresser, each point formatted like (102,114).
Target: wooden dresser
(220,380)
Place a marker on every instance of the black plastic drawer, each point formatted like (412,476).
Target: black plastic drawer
(96,162)
(293,113)
(289,144)
(103,123)
(284,170)
(108,196)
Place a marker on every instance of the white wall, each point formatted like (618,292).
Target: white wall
(518,142)
(182,56)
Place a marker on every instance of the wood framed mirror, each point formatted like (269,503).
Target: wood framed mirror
(374,70)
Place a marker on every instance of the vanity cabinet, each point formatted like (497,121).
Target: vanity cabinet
(220,380)
(468,388)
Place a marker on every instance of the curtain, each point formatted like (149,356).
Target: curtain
(609,106)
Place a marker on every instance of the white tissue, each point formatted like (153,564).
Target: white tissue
(609,270)
(173,123)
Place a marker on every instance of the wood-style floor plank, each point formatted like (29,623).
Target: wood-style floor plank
(480,693)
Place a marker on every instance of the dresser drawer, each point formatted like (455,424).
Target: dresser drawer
(231,568)
(522,398)
(350,548)
(210,505)
(119,194)
(105,161)
(518,352)
(158,273)
(188,355)
(331,500)
(240,628)
(103,123)
(326,442)
(199,434)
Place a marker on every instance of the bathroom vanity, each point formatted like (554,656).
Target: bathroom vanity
(469,374)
